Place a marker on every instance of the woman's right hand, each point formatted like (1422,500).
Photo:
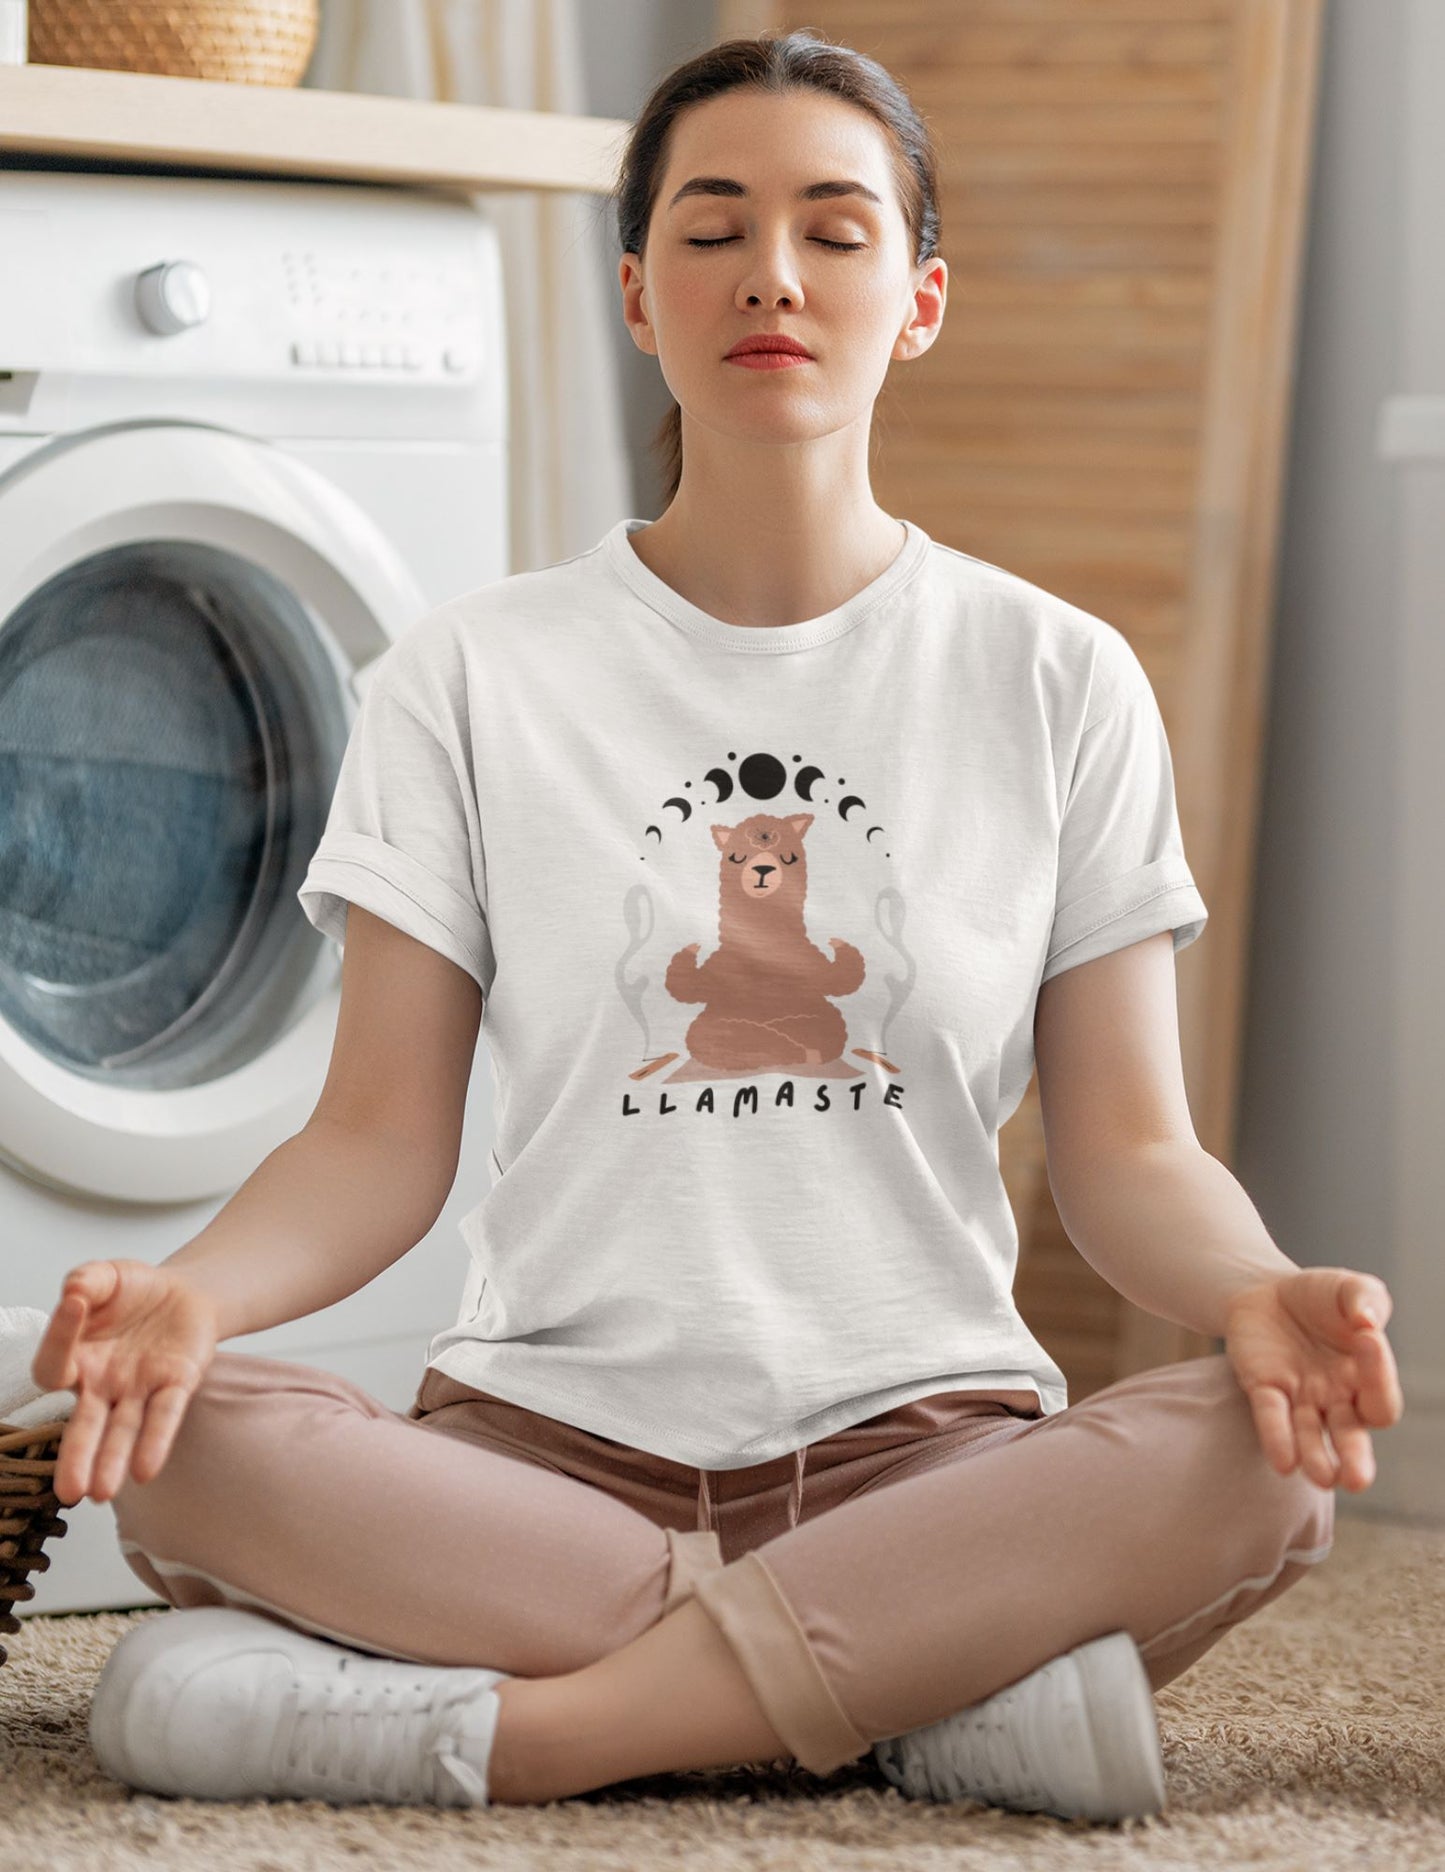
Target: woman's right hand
(133,1342)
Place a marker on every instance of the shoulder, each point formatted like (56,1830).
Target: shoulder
(432,663)
(1082,662)
(516,605)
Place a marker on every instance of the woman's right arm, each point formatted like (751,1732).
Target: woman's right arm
(365,1179)
(318,1219)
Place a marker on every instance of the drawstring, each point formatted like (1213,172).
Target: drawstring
(706,1518)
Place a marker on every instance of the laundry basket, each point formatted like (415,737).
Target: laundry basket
(29,1511)
(258,42)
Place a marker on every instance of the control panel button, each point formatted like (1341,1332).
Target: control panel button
(172,296)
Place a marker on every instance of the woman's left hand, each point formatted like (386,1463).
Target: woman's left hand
(1311,1360)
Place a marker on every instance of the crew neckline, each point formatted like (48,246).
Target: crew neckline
(761,639)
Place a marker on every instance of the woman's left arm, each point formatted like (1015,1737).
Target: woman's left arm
(1170,1228)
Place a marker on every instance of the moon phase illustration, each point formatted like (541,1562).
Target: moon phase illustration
(763,776)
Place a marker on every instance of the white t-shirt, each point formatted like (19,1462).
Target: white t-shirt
(760,916)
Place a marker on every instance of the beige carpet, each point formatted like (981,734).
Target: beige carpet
(1311,1737)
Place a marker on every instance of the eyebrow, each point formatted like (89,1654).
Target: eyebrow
(815,191)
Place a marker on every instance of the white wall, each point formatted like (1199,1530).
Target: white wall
(1342,1134)
(629,45)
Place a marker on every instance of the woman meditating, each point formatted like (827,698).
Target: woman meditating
(774,845)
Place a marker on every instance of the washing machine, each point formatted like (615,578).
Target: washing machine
(251,430)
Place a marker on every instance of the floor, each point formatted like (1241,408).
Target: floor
(1311,1737)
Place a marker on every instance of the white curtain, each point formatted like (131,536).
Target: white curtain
(570,474)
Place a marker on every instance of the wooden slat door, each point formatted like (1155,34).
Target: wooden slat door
(1123,196)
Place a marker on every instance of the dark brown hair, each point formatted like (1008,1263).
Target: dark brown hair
(774,61)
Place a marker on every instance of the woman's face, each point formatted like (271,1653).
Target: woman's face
(835,273)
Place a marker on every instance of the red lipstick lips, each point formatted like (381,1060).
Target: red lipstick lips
(768,351)
(768,341)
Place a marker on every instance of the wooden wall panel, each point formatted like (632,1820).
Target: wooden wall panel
(1104,413)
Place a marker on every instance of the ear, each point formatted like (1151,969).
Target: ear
(800,822)
(720,836)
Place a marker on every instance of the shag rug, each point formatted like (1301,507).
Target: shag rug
(1310,1737)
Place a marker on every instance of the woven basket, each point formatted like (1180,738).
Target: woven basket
(258,42)
(29,1512)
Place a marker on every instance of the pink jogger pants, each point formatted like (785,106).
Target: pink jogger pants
(874,1582)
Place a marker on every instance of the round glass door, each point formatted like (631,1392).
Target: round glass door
(171,724)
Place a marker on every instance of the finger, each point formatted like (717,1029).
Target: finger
(54,1367)
(77,1447)
(1352,1440)
(1380,1401)
(1317,1460)
(85,1288)
(113,1457)
(1366,1300)
(98,1281)
(164,1412)
(1274,1426)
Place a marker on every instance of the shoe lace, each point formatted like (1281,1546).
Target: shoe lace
(388,1741)
(985,1752)
(976,1752)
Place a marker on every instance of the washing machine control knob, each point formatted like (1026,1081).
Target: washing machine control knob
(172,296)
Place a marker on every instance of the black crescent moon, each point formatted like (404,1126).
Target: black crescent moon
(723,781)
(868,835)
(682,806)
(653,828)
(853,799)
(807,777)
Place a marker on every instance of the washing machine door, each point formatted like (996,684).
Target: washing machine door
(186,616)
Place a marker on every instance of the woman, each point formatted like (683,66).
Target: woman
(739,1448)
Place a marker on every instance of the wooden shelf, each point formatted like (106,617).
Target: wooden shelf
(76,113)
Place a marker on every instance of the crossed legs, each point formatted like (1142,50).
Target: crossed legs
(959,1567)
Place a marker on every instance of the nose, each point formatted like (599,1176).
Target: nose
(763,870)
(772,278)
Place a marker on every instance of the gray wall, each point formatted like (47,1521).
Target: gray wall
(1342,1138)
(1317,1114)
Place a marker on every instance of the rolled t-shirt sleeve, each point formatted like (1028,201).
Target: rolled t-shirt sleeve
(1122,873)
(402,835)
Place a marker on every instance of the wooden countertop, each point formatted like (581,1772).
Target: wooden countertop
(73,112)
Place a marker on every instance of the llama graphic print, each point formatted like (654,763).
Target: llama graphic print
(752,990)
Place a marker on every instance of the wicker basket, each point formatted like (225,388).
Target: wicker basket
(29,1511)
(258,42)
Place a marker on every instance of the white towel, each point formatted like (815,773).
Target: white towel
(22,1402)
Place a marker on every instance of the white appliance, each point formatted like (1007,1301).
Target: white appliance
(250,431)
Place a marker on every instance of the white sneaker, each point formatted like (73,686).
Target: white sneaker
(217,1703)
(1077,1737)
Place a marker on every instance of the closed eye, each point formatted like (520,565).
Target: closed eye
(722,241)
(792,860)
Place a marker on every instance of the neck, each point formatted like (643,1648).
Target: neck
(763,556)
